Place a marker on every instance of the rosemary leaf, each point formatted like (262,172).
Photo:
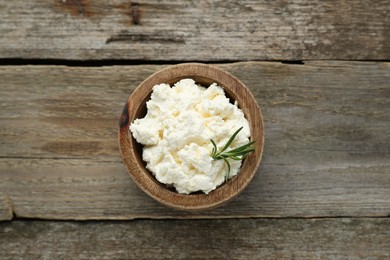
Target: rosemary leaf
(237,154)
(228,169)
(230,140)
(214,151)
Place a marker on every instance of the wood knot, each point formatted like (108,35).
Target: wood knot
(76,7)
(135,13)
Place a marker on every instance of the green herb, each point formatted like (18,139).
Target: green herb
(238,153)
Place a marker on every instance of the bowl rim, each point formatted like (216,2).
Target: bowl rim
(147,182)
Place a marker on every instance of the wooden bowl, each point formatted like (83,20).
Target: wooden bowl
(135,107)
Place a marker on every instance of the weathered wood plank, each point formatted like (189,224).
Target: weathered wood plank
(6,208)
(86,189)
(326,150)
(217,239)
(195,30)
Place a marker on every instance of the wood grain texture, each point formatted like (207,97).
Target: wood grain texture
(195,30)
(326,150)
(6,208)
(217,239)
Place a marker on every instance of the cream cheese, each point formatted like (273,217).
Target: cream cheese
(176,133)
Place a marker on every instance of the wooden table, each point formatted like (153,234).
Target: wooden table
(318,69)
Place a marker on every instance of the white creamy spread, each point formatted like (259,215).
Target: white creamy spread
(176,133)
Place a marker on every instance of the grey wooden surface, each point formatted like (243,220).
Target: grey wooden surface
(323,188)
(198,239)
(326,151)
(195,30)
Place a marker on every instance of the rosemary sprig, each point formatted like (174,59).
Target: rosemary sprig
(237,154)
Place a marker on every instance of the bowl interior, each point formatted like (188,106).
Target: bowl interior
(132,151)
(141,111)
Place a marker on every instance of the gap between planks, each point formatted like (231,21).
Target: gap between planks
(115,62)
